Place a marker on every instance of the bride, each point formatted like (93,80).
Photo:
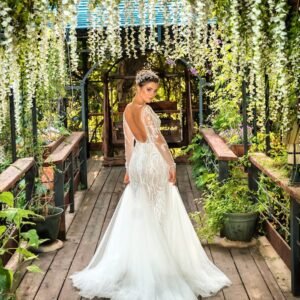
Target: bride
(150,250)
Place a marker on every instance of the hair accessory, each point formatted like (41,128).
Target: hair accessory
(145,75)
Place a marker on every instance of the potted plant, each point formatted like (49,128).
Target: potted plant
(13,219)
(52,137)
(235,138)
(228,209)
(42,204)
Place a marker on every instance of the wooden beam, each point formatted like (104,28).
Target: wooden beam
(189,114)
(15,172)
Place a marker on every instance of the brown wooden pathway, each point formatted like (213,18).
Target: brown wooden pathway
(246,268)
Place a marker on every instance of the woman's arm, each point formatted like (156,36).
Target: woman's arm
(157,138)
(129,144)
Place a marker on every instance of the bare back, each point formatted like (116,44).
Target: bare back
(133,116)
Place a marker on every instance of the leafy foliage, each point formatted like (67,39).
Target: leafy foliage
(203,162)
(14,219)
(231,196)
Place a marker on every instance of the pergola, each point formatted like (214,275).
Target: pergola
(112,130)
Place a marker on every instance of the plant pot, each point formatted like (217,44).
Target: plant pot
(49,227)
(238,149)
(240,226)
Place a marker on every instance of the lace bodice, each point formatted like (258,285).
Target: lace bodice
(151,122)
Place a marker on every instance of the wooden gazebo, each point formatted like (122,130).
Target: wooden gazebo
(177,131)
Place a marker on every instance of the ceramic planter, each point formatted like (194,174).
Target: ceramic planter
(49,227)
(240,226)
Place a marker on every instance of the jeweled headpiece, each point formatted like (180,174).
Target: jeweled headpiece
(146,75)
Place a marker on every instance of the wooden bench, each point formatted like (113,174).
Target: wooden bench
(172,133)
(220,149)
(292,258)
(70,161)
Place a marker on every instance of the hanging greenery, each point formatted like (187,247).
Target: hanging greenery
(33,40)
(226,40)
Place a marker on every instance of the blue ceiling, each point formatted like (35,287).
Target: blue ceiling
(84,13)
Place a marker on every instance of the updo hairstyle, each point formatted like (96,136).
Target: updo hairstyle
(145,76)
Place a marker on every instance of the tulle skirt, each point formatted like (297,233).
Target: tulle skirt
(149,255)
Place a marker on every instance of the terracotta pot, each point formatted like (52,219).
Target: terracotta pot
(238,149)
(47,177)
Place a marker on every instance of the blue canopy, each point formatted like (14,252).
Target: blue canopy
(84,14)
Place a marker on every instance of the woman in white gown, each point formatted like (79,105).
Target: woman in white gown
(150,250)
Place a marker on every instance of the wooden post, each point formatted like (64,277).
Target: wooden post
(267,96)
(83,163)
(12,126)
(189,113)
(29,180)
(71,188)
(59,196)
(295,257)
(86,94)
(245,123)
(223,170)
(107,133)
(253,177)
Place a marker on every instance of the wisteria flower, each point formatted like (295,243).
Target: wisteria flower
(193,71)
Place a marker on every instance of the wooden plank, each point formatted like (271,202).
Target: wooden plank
(87,245)
(10,176)
(94,164)
(223,259)
(32,282)
(196,192)
(267,275)
(220,295)
(218,146)
(54,279)
(258,159)
(111,209)
(106,201)
(65,148)
(253,281)
(189,190)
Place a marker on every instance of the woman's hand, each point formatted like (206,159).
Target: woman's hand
(126,178)
(172,175)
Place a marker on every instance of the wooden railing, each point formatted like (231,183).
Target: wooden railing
(70,169)
(21,169)
(24,167)
(258,166)
(221,150)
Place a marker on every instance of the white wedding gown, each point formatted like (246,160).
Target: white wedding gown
(150,250)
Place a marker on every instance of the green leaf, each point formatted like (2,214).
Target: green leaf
(34,269)
(26,254)
(7,198)
(16,215)
(32,237)
(6,279)
(2,229)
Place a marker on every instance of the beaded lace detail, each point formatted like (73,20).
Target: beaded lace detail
(143,159)
(152,125)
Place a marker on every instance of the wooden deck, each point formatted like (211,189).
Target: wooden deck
(246,268)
